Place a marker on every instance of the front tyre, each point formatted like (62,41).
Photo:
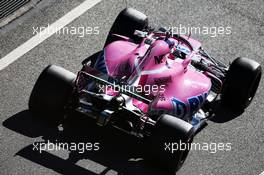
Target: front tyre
(241,83)
(127,21)
(51,93)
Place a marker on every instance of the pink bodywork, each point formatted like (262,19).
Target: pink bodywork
(184,88)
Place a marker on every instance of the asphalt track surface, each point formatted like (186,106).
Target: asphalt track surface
(18,130)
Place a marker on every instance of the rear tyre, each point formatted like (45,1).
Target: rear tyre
(169,130)
(241,83)
(51,93)
(127,21)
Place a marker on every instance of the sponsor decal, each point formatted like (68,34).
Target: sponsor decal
(163,80)
(192,105)
(158,59)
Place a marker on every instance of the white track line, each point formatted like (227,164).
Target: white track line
(46,33)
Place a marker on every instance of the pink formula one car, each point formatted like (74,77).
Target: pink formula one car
(155,85)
